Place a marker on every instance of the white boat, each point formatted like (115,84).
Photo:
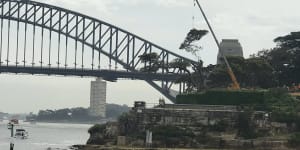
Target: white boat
(21,134)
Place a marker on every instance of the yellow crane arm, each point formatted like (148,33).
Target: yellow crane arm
(235,83)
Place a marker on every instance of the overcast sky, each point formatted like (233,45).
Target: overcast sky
(165,22)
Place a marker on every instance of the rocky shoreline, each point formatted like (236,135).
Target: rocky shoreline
(103,147)
(193,127)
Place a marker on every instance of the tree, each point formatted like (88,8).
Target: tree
(183,66)
(128,124)
(199,76)
(288,58)
(252,72)
(189,43)
(289,41)
(195,80)
(151,62)
(285,58)
(194,77)
(259,73)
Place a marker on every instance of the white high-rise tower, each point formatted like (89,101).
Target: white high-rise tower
(98,98)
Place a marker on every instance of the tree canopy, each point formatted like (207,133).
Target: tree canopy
(279,66)
(289,41)
(193,36)
(252,72)
(268,68)
(194,77)
(285,58)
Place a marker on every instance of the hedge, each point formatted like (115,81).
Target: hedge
(223,98)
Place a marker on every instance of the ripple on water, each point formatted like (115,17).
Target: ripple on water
(46,136)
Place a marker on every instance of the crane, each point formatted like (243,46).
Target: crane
(235,83)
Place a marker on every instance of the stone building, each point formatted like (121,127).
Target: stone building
(192,115)
(98,98)
(185,115)
(230,47)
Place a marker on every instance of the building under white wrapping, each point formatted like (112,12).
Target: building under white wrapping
(98,98)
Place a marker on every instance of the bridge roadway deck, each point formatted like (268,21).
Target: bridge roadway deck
(110,75)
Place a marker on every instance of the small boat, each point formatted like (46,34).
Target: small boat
(21,134)
(32,121)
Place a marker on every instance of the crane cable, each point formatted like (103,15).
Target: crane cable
(194,18)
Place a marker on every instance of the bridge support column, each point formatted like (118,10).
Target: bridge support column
(98,98)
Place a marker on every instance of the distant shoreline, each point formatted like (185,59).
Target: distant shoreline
(74,122)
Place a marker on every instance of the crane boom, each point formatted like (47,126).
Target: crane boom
(235,83)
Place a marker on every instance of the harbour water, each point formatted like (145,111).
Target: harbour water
(45,136)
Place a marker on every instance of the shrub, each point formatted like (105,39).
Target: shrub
(170,135)
(98,128)
(97,134)
(127,124)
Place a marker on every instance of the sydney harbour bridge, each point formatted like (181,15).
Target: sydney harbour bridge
(38,38)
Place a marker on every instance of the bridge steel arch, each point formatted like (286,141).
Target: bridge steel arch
(115,46)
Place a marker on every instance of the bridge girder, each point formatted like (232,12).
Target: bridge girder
(120,47)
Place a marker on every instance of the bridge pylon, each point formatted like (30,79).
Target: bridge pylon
(98,98)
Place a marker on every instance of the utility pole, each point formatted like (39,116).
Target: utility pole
(11,128)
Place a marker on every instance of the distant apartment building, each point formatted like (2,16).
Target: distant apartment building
(98,98)
(230,47)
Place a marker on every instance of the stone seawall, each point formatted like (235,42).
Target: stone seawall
(268,146)
(184,117)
